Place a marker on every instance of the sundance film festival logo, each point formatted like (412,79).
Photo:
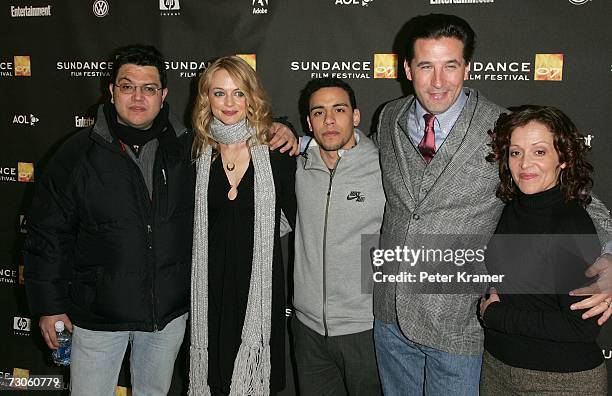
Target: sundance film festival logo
(588,140)
(383,66)
(187,68)
(19,67)
(339,69)
(21,325)
(23,173)
(500,71)
(363,3)
(251,59)
(8,275)
(191,68)
(25,119)
(169,7)
(579,2)
(548,67)
(100,8)
(260,7)
(28,11)
(85,68)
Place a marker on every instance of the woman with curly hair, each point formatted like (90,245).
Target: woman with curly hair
(237,289)
(534,343)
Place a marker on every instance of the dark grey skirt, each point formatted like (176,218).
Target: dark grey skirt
(497,378)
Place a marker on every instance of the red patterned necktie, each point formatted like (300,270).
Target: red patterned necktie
(427,147)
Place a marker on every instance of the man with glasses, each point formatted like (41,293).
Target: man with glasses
(109,240)
(109,244)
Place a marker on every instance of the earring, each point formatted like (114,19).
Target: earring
(561,177)
(510,184)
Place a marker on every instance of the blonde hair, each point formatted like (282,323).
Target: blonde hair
(258,112)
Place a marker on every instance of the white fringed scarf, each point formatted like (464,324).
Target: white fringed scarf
(251,374)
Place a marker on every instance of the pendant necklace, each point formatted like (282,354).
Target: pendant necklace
(230,165)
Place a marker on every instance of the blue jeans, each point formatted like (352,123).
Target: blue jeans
(408,368)
(97,356)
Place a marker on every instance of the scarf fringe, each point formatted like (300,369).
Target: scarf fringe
(251,371)
(198,372)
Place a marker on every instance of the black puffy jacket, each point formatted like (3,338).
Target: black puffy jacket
(98,248)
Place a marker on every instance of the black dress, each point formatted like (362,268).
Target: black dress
(230,256)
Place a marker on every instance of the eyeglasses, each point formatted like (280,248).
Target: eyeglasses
(147,90)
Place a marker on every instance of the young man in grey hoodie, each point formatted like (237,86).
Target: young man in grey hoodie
(339,197)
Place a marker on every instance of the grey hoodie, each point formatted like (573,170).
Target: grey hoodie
(328,294)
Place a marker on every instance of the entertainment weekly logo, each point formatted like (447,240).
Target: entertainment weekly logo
(81,121)
(30,11)
(448,2)
(19,67)
(545,67)
(382,66)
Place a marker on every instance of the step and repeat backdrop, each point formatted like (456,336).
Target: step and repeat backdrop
(55,68)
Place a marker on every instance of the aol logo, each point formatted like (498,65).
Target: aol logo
(100,8)
(23,119)
(363,3)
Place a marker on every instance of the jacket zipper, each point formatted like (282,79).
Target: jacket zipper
(329,190)
(150,241)
(151,205)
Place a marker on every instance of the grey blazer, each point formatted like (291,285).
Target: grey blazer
(454,194)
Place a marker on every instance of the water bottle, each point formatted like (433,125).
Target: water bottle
(61,355)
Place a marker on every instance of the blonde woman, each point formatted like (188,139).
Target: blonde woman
(237,297)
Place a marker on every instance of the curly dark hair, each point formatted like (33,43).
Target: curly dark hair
(576,181)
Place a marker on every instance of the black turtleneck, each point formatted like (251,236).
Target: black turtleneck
(539,331)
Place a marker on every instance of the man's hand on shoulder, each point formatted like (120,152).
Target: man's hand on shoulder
(284,138)
(47,328)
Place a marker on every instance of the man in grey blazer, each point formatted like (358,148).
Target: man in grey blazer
(437,181)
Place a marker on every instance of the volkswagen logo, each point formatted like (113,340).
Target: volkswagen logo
(100,8)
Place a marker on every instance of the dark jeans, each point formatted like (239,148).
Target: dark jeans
(335,366)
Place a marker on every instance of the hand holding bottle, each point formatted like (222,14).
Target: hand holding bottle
(47,328)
